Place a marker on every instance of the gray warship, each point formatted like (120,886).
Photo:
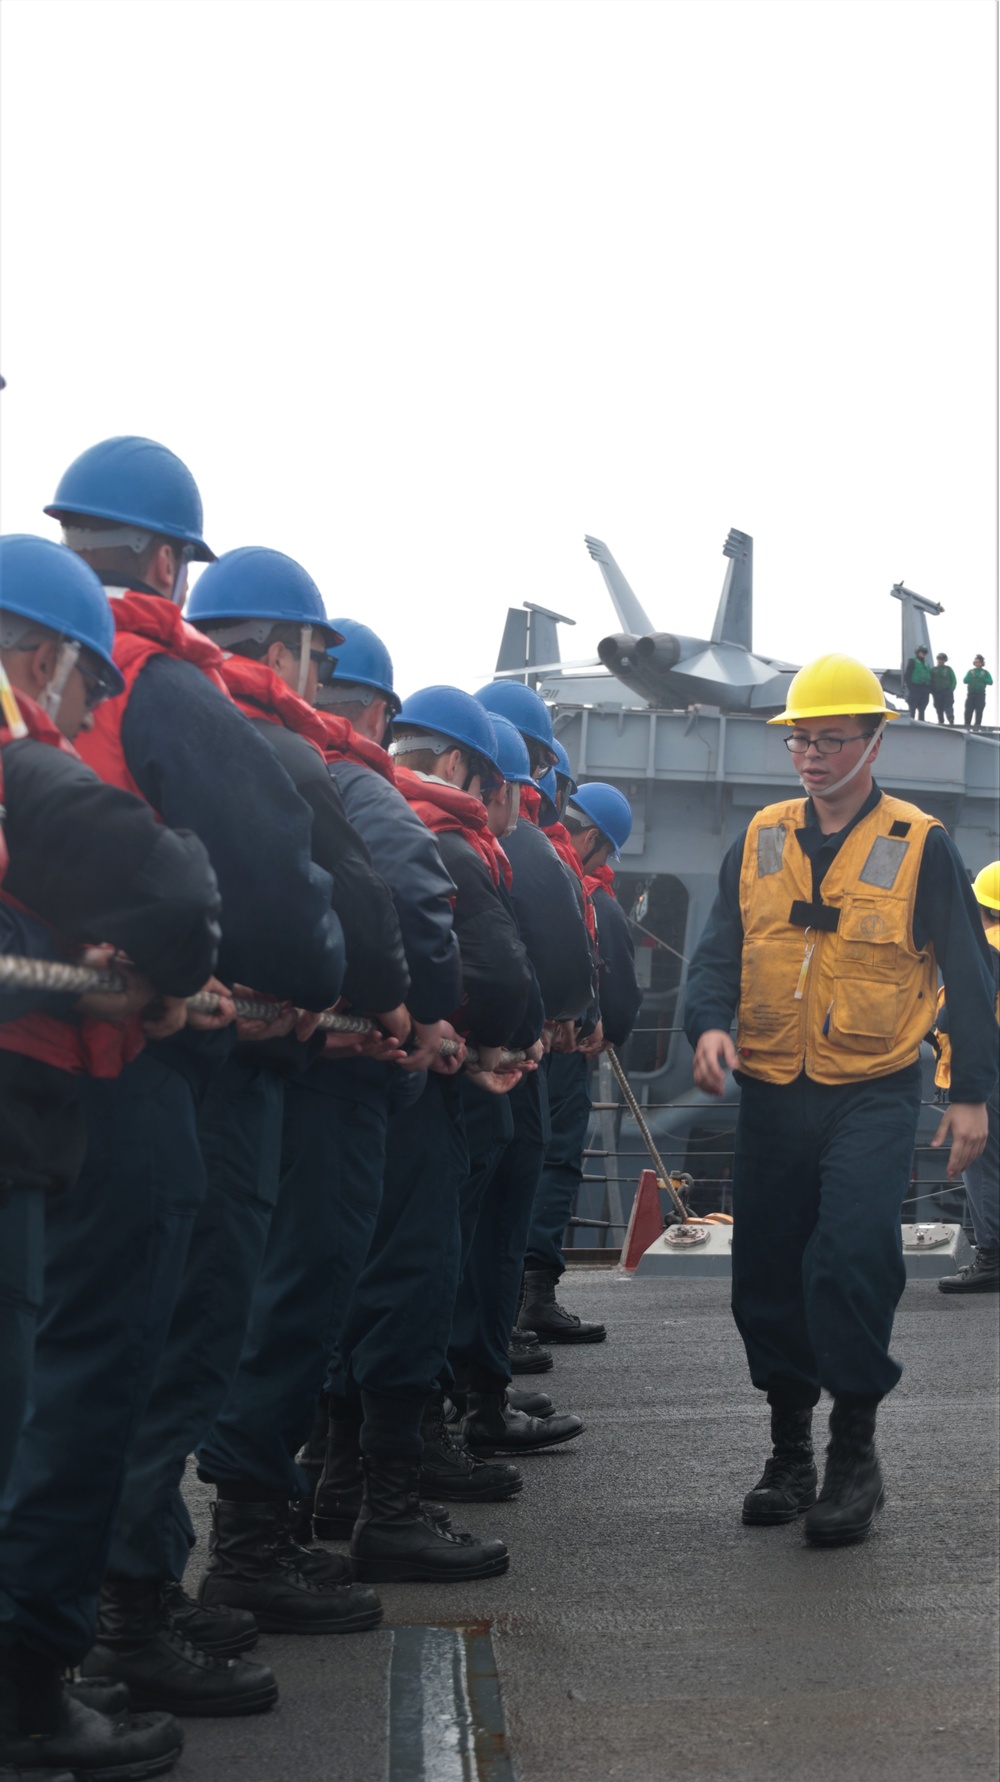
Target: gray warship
(679,723)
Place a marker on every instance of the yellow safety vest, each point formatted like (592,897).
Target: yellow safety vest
(836,989)
(942,1075)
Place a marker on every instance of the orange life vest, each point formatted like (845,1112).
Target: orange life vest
(94,1048)
(836,989)
(145,626)
(343,743)
(260,693)
(562,841)
(444,807)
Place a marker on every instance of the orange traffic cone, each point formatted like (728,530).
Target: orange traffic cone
(645,1223)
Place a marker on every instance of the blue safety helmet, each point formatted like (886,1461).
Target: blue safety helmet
(525,709)
(255,583)
(445,711)
(134,482)
(562,764)
(607,808)
(512,755)
(47,584)
(362,659)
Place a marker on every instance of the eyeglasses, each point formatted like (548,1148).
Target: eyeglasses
(95,684)
(824,745)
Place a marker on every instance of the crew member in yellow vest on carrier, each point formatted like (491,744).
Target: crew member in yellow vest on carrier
(833,914)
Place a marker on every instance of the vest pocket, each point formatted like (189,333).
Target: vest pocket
(864,1014)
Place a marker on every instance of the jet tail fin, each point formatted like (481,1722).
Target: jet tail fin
(734,619)
(914,622)
(530,641)
(634,619)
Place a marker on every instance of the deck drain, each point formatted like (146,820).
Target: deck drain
(446,1721)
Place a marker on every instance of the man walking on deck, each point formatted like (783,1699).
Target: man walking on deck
(832,915)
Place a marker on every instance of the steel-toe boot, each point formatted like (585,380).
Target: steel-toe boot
(787,1485)
(541,1312)
(853,1491)
(395,1540)
(139,1643)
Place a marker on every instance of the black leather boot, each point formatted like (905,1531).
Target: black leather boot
(448,1470)
(853,1490)
(338,1494)
(395,1540)
(139,1644)
(341,1489)
(223,1632)
(535,1404)
(526,1355)
(254,1564)
(491,1427)
(102,1694)
(43,1729)
(981,1275)
(542,1313)
(311,1459)
(787,1485)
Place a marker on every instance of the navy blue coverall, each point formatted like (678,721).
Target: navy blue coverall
(820,1170)
(395,1339)
(497,1203)
(569,1087)
(240,1129)
(333,1154)
(98,865)
(116,1247)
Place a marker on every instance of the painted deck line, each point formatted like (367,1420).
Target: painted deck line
(445,1712)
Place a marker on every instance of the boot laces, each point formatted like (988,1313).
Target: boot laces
(455,1449)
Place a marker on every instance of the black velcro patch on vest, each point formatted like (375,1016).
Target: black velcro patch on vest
(900,829)
(814,915)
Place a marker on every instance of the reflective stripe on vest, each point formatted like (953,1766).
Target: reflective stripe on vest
(845,995)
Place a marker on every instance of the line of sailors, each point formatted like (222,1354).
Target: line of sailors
(229,1237)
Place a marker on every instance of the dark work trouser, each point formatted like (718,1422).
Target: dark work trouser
(114,1258)
(562,1171)
(944,705)
(395,1339)
(982,1182)
(486,1305)
(22,1261)
(239,1126)
(975,705)
(333,1155)
(819,1177)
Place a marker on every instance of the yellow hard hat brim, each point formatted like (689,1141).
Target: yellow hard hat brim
(802,713)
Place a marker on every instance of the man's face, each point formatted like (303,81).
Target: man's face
(817,771)
(979,662)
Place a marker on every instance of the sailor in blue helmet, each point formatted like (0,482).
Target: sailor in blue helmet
(355,704)
(336,1118)
(85,863)
(598,821)
(117,1247)
(268,613)
(530,716)
(503,1177)
(394,1342)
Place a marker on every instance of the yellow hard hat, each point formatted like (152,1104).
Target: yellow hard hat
(833,687)
(986,886)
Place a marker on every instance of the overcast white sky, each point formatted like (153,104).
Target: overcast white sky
(422,292)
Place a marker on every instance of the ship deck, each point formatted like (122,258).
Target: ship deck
(642,1632)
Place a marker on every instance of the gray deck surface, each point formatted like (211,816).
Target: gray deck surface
(642,1632)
